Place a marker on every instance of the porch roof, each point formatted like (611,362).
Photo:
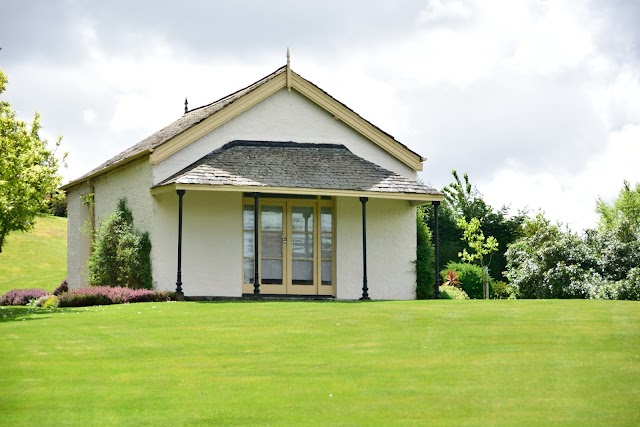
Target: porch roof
(295,168)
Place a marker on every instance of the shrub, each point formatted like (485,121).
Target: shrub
(51,301)
(105,295)
(21,296)
(57,204)
(62,288)
(425,271)
(451,292)
(630,287)
(45,301)
(121,256)
(502,290)
(451,279)
(470,277)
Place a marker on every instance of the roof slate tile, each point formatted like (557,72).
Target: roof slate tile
(294,165)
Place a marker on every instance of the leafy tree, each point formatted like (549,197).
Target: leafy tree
(481,247)
(626,208)
(121,256)
(463,200)
(28,170)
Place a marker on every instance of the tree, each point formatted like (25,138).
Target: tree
(463,200)
(480,246)
(626,208)
(28,170)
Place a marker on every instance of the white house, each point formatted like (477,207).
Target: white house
(329,197)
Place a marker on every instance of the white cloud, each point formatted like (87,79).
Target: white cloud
(443,10)
(89,116)
(571,198)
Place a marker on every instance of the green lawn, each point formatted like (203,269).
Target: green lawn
(481,363)
(37,259)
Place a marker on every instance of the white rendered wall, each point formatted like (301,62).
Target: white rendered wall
(131,182)
(78,238)
(211,243)
(284,116)
(391,249)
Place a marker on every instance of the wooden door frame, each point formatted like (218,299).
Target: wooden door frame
(288,288)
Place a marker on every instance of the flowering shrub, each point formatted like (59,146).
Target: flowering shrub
(451,292)
(630,287)
(21,296)
(62,288)
(105,295)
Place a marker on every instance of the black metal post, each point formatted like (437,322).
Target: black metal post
(436,238)
(179,293)
(256,253)
(365,287)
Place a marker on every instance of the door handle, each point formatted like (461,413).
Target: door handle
(284,240)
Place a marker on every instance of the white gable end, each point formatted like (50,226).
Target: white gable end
(284,116)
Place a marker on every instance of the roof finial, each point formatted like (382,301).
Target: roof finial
(288,70)
(186,106)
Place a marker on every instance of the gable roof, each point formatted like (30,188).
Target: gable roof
(286,167)
(202,120)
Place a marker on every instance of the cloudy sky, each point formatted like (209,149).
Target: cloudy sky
(539,101)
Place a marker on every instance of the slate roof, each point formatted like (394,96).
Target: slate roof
(294,165)
(190,119)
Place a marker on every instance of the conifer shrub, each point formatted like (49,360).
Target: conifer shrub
(121,255)
(425,271)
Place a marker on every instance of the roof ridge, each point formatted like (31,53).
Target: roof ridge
(280,144)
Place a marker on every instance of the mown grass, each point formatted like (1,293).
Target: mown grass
(323,363)
(36,259)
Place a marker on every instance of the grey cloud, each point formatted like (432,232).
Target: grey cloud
(239,29)
(539,125)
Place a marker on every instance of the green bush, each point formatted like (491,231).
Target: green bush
(451,292)
(470,277)
(630,287)
(425,270)
(501,290)
(57,205)
(121,256)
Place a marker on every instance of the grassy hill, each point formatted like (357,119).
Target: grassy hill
(37,259)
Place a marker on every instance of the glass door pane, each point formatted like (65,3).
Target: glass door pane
(247,244)
(326,247)
(302,245)
(271,220)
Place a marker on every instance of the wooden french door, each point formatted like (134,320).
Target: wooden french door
(296,247)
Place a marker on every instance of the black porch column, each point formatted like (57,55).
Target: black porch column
(365,288)
(256,253)
(179,293)
(436,238)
